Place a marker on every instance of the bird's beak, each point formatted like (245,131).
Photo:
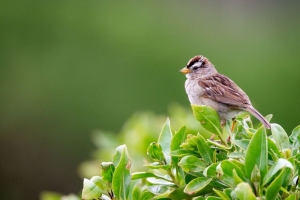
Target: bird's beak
(185,70)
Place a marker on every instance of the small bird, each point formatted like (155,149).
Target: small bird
(205,86)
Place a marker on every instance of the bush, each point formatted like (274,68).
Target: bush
(240,163)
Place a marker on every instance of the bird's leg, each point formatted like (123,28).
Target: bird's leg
(232,128)
(233,124)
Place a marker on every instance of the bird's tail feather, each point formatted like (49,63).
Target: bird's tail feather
(256,114)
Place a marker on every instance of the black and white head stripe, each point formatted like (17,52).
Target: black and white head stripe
(197,62)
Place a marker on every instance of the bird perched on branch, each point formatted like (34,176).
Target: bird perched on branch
(205,86)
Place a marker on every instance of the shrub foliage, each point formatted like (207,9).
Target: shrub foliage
(238,162)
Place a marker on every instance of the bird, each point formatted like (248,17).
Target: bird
(205,86)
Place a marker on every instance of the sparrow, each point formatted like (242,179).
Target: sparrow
(205,86)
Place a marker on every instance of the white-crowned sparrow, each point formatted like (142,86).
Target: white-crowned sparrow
(205,86)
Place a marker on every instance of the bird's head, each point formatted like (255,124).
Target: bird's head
(198,67)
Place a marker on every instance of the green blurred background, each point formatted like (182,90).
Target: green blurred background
(68,68)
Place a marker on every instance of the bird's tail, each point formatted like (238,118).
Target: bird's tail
(258,116)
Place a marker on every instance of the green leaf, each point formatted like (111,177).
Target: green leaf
(140,175)
(191,164)
(221,194)
(257,153)
(211,171)
(273,147)
(197,185)
(178,138)
(164,141)
(199,198)
(276,167)
(236,155)
(90,190)
(155,152)
(100,183)
(236,177)
(146,195)
(183,152)
(158,189)
(213,198)
(243,191)
(295,137)
(157,165)
(280,136)
(256,178)
(157,181)
(275,186)
(204,150)
(225,170)
(108,169)
(137,192)
(178,194)
(121,178)
(117,156)
(291,197)
(244,143)
(209,118)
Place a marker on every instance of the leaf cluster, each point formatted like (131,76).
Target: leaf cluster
(239,162)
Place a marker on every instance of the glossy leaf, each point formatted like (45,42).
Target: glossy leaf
(178,138)
(211,171)
(100,183)
(295,138)
(108,169)
(121,178)
(256,178)
(275,168)
(178,194)
(137,192)
(146,195)
(225,170)
(209,118)
(236,155)
(242,143)
(157,165)
(192,164)
(275,186)
(155,152)
(243,191)
(204,149)
(280,136)
(236,177)
(272,147)
(196,185)
(117,156)
(164,141)
(140,175)
(90,190)
(158,189)
(213,198)
(183,152)
(221,194)
(257,153)
(291,197)
(157,181)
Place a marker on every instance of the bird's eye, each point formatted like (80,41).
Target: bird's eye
(195,68)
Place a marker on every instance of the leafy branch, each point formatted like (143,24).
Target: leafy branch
(254,164)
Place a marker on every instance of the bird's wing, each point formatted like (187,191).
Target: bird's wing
(223,90)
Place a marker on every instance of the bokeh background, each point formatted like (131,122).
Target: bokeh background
(68,68)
